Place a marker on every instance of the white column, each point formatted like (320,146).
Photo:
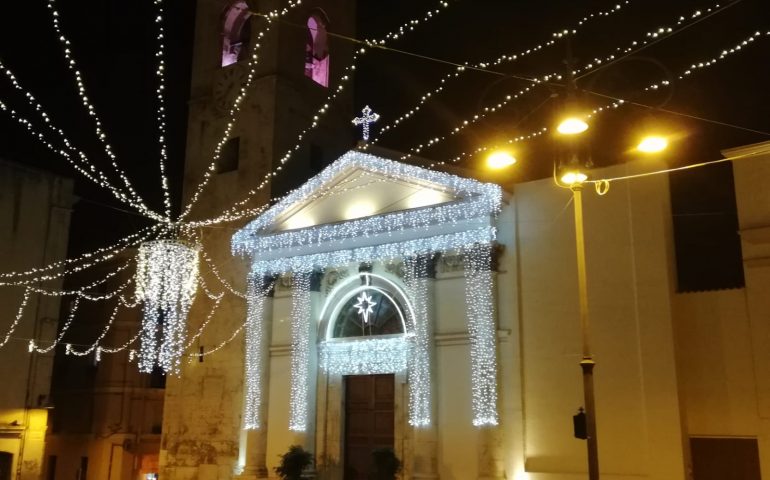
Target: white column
(299,410)
(256,372)
(420,276)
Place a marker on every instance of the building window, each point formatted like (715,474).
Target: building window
(236,33)
(383,315)
(317,49)
(229,156)
(706,239)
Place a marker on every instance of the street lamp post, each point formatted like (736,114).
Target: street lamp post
(587,362)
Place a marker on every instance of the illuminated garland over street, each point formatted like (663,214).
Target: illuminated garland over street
(166,281)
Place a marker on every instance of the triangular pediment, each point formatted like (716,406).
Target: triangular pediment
(361,188)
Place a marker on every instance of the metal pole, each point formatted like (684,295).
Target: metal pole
(587,362)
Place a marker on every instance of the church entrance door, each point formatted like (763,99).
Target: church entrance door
(369,424)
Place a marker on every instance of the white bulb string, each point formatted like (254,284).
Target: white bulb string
(300,352)
(321,112)
(109,252)
(208,292)
(73,309)
(617,102)
(484,64)
(207,259)
(125,345)
(724,53)
(205,322)
(161,108)
(35,133)
(17,319)
(84,166)
(81,90)
(72,351)
(636,46)
(80,290)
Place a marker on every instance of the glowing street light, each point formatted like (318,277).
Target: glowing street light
(652,144)
(500,159)
(573,177)
(572,126)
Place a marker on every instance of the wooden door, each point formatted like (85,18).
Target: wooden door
(725,458)
(369,412)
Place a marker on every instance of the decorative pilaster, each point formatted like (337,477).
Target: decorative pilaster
(420,276)
(482,329)
(257,365)
(301,330)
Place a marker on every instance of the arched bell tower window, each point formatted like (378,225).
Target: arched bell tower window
(236,33)
(317,49)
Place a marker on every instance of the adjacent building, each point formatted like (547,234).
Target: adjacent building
(35,209)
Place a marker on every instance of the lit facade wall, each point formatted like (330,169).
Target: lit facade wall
(34,227)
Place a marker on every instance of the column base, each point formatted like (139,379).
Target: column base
(253,474)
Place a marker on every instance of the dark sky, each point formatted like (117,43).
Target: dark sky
(114,44)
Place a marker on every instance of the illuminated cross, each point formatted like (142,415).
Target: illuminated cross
(365,119)
(365,306)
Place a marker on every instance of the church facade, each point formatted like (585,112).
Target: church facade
(384,305)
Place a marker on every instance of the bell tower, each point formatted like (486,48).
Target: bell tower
(299,65)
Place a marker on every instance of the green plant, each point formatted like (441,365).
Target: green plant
(293,463)
(386,464)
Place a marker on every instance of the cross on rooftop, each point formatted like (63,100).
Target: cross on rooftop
(368,117)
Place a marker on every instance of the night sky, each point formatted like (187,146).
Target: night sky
(114,43)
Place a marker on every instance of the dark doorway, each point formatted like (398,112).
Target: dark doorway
(6,461)
(725,458)
(369,408)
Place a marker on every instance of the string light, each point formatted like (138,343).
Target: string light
(370,356)
(71,351)
(421,352)
(19,314)
(161,113)
(458,72)
(81,89)
(256,354)
(483,200)
(91,258)
(483,334)
(205,323)
(300,352)
(166,281)
(73,309)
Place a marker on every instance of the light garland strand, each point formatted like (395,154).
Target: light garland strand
(73,309)
(166,281)
(205,323)
(367,356)
(421,352)
(161,113)
(300,352)
(94,258)
(484,64)
(483,333)
(81,89)
(70,350)
(19,314)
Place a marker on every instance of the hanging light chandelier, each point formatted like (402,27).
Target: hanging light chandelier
(166,281)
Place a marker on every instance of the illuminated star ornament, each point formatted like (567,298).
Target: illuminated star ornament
(365,306)
(367,117)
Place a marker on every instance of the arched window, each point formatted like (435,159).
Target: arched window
(236,33)
(369,312)
(317,50)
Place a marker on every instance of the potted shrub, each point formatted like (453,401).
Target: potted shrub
(386,464)
(293,463)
